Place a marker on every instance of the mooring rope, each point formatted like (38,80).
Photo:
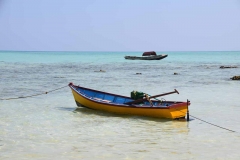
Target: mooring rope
(213,124)
(34,95)
(210,123)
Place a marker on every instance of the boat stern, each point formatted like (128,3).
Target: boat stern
(179,110)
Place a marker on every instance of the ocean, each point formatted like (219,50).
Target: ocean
(49,126)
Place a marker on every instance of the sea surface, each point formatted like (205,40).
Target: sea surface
(49,126)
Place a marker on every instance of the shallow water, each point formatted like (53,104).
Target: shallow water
(50,126)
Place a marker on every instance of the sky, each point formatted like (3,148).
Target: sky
(120,25)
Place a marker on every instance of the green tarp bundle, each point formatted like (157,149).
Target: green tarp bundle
(137,95)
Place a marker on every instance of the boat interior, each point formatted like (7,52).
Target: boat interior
(117,99)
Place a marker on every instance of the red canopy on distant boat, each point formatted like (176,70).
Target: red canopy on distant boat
(149,53)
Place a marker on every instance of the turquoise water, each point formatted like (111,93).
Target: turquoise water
(106,57)
(49,126)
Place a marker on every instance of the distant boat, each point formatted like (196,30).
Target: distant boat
(138,104)
(147,56)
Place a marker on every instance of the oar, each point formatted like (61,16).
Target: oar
(159,95)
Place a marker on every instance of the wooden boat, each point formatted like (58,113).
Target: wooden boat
(114,103)
(147,56)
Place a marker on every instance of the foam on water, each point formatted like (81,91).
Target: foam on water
(50,127)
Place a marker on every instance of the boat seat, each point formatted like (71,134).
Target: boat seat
(103,100)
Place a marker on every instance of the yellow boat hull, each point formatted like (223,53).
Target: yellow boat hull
(174,111)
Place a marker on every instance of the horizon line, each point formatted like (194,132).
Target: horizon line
(116,51)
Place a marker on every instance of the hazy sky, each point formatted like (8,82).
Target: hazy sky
(120,25)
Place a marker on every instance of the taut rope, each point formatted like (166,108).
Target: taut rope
(34,95)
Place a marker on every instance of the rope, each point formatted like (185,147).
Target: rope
(34,95)
(149,100)
(210,123)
